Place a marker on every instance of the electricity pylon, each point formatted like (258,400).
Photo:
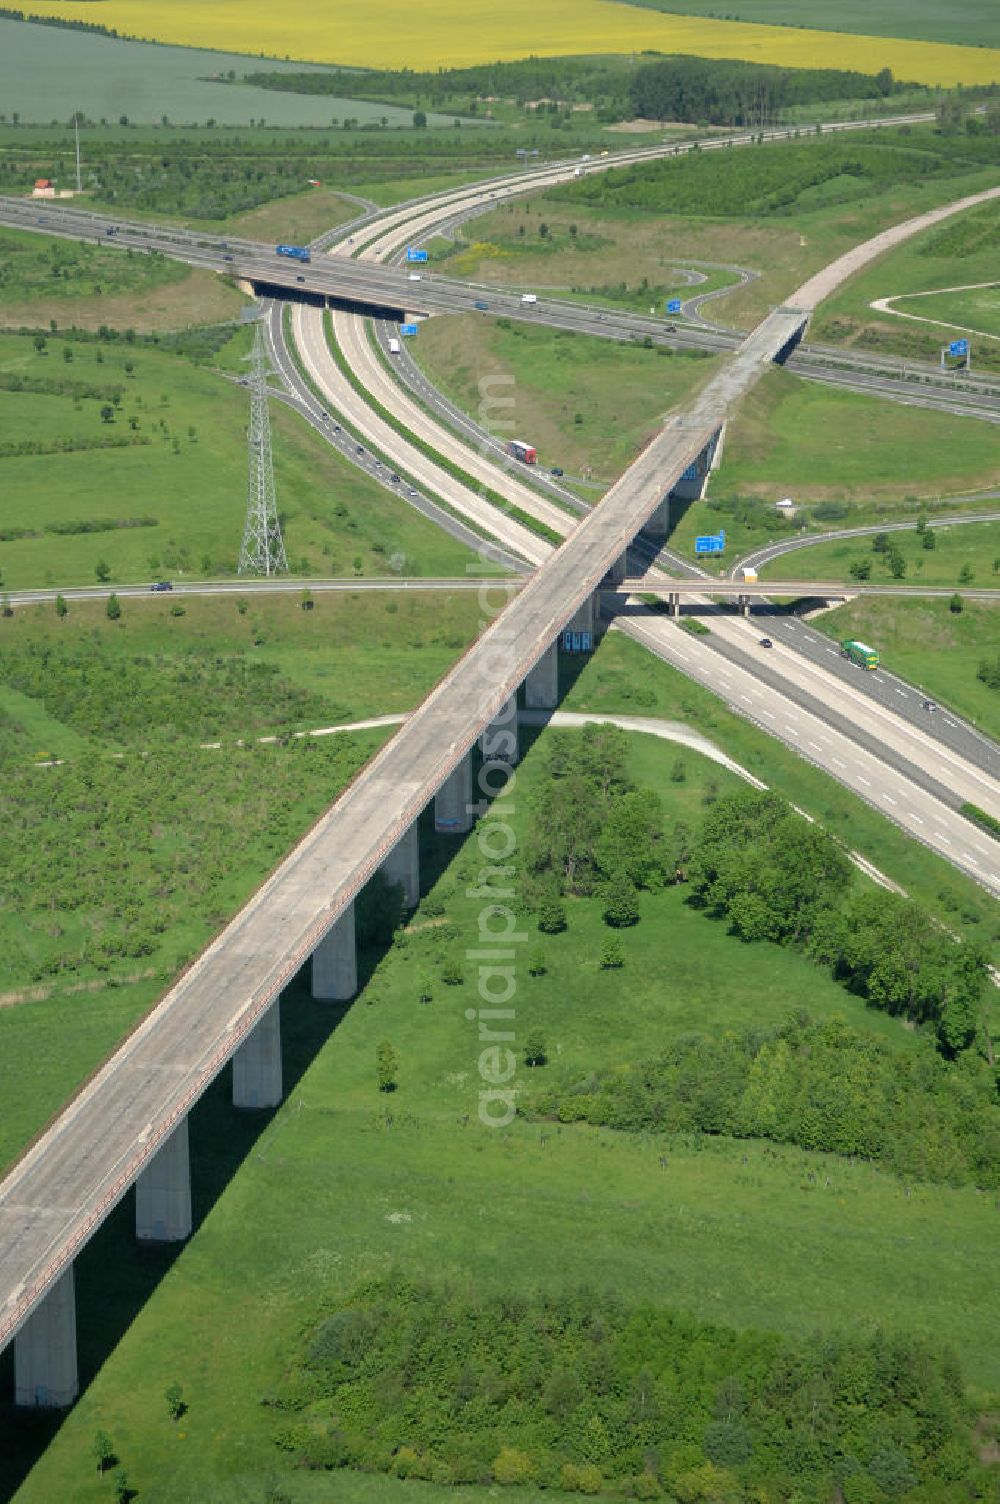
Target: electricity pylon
(263,550)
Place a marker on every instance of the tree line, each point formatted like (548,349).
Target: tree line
(815,1083)
(579,1393)
(769,181)
(775,877)
(593,831)
(711,92)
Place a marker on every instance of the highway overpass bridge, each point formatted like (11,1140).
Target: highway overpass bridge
(341,280)
(128,1125)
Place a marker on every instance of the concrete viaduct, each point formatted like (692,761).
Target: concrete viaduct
(128,1126)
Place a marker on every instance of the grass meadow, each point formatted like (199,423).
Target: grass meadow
(342,1183)
(973,547)
(446,33)
(190,477)
(972,309)
(76,972)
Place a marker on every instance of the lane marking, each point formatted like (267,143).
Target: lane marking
(863,780)
(902,693)
(888,799)
(944,840)
(791,731)
(916,820)
(838,762)
(816,745)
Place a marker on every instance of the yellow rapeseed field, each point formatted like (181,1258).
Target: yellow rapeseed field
(454,33)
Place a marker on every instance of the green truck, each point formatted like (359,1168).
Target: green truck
(859,653)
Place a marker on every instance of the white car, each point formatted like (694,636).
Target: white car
(414,276)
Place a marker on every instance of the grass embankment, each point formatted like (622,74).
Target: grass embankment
(85,285)
(618,392)
(931,646)
(344,1184)
(182,467)
(951,255)
(120,867)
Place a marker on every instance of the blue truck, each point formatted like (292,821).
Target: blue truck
(297,252)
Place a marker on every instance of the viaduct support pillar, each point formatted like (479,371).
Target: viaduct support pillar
(452,815)
(498,742)
(584,618)
(541,687)
(744,604)
(618,571)
(335,961)
(257,1063)
(658,526)
(163,1192)
(674,603)
(45,1350)
(402,866)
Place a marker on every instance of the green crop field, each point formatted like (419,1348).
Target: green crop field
(970,23)
(50,71)
(587,404)
(181,467)
(931,646)
(344,1184)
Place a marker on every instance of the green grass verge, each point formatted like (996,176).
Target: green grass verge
(188,472)
(344,1184)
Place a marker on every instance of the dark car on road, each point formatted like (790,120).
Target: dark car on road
(161,585)
(766,642)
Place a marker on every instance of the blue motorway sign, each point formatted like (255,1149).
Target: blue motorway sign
(414,255)
(674,305)
(577,642)
(691,473)
(407,328)
(710,543)
(958,347)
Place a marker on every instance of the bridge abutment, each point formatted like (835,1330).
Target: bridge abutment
(257,1063)
(452,813)
(499,742)
(402,866)
(541,687)
(163,1192)
(335,961)
(45,1372)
